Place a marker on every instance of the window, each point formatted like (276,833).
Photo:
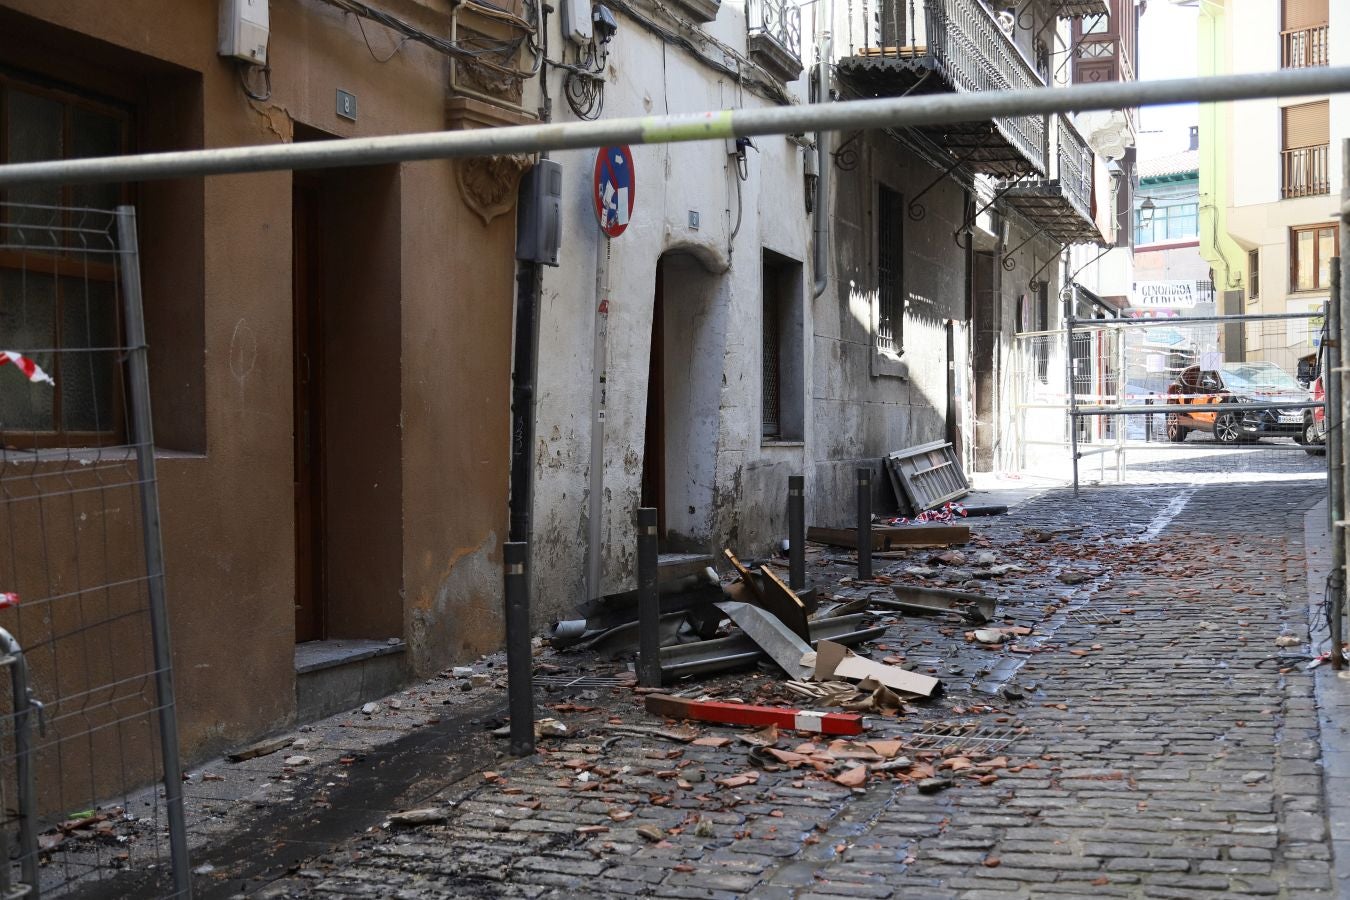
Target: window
(782,392)
(1253,274)
(1177,222)
(52,295)
(1096,24)
(1306,136)
(890,247)
(1303,33)
(1310,253)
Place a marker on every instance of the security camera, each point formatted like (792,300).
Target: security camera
(605,23)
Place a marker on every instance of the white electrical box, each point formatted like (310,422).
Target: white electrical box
(243,30)
(577,26)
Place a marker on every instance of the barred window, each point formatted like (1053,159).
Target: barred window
(890,250)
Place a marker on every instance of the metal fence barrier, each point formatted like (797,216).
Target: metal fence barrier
(1177,399)
(81,572)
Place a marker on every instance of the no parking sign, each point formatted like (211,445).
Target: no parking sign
(613,189)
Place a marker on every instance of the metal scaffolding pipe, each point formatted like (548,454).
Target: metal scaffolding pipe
(1187,408)
(890,112)
(1088,324)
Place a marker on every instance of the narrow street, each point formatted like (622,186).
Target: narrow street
(1154,742)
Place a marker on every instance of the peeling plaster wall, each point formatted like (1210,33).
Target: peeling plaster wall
(713,317)
(861,416)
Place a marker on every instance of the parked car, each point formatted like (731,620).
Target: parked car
(1244,382)
(1314,438)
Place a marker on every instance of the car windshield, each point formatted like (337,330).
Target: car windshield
(1258,376)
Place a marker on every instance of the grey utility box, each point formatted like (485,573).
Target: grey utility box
(539,221)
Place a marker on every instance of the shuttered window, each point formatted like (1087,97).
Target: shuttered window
(1304,14)
(1306,135)
(1307,125)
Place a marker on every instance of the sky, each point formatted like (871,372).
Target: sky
(1167,49)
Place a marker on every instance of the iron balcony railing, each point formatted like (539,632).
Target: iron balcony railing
(1304,47)
(964,43)
(1304,171)
(1074,158)
(779,20)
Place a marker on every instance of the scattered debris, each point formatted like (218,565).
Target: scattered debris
(933,785)
(912,598)
(772,635)
(651,833)
(547,728)
(370,709)
(837,661)
(261,748)
(297,761)
(1287,640)
(430,815)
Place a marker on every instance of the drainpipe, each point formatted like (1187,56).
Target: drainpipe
(820,261)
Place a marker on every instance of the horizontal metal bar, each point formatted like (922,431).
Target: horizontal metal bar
(889,112)
(1082,325)
(1169,408)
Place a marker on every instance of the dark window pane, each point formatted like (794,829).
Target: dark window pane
(88,319)
(95,134)
(27,323)
(35,132)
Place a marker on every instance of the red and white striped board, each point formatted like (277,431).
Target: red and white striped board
(759,716)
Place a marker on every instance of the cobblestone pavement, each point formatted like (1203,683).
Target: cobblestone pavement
(1156,742)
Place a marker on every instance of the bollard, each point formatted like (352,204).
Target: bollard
(519,658)
(649,600)
(796,532)
(864,523)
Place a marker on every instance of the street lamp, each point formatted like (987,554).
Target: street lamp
(1146,211)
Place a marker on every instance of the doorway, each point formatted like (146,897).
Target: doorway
(308,393)
(347,439)
(654,442)
(684,390)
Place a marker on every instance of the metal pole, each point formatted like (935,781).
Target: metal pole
(649,600)
(889,112)
(1121,381)
(519,655)
(865,523)
(142,436)
(523,379)
(600,352)
(1334,383)
(1069,385)
(1339,299)
(25,777)
(796,532)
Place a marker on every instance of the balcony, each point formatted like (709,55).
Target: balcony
(1073,9)
(1061,204)
(774,36)
(1304,172)
(1304,47)
(932,46)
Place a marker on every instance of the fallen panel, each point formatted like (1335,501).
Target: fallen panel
(912,598)
(778,599)
(772,636)
(927,476)
(834,661)
(738,651)
(890,537)
(745,714)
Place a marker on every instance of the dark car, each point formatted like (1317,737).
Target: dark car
(1242,382)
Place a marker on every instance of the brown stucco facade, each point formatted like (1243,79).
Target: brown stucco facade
(416,330)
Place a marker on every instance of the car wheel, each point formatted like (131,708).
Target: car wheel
(1176,432)
(1309,440)
(1226,430)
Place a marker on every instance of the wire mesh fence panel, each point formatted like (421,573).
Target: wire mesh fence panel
(80,568)
(1176,399)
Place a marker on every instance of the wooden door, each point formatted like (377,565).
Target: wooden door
(307,312)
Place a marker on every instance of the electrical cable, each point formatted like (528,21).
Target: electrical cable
(392,53)
(266,70)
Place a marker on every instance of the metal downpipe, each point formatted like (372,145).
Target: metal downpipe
(820,259)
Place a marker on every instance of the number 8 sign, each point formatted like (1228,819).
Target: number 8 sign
(613,189)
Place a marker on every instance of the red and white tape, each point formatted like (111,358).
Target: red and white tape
(30,369)
(946,513)
(8,600)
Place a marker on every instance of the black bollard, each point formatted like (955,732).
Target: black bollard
(796,532)
(649,600)
(864,523)
(519,657)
